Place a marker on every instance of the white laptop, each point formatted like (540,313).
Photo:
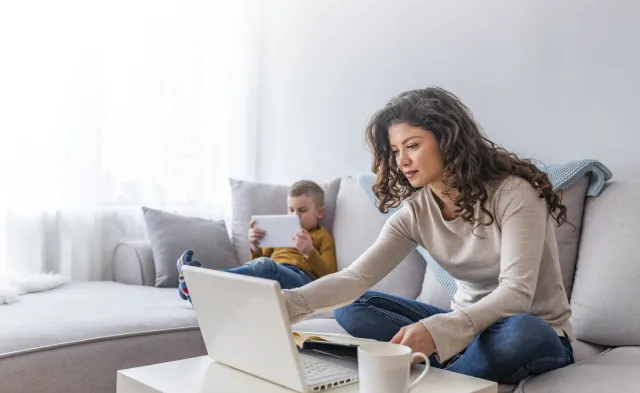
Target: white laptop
(244,325)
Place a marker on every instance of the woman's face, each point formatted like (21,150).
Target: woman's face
(417,154)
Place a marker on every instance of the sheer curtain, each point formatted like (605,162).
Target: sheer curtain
(107,106)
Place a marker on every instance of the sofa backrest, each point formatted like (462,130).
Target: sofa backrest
(606,288)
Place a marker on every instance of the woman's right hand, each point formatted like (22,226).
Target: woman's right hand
(255,235)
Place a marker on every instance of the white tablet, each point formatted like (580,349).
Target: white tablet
(278,229)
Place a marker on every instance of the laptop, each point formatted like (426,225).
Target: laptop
(244,324)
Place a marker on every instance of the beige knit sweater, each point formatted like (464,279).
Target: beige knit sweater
(510,267)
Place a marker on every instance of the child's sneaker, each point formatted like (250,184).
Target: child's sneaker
(185,259)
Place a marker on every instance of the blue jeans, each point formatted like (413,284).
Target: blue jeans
(288,276)
(508,351)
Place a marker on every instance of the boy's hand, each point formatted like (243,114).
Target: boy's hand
(255,234)
(302,242)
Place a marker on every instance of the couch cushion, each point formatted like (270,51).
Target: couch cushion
(612,371)
(356,227)
(90,311)
(171,234)
(251,198)
(606,291)
(584,351)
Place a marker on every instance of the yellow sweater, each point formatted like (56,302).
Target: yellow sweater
(321,261)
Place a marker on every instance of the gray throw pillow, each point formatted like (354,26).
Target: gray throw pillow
(171,234)
(568,237)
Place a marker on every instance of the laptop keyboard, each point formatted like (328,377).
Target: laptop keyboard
(316,369)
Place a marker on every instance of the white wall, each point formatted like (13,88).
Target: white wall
(555,80)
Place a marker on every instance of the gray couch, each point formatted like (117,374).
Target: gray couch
(75,338)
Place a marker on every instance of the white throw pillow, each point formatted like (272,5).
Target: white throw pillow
(357,224)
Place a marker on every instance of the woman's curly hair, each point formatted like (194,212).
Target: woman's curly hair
(471,160)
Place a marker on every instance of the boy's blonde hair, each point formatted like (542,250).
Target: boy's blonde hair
(309,188)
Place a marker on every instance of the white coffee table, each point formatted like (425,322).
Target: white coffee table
(202,375)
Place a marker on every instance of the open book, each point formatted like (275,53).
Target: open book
(329,342)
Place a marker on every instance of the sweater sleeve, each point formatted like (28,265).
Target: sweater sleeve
(524,219)
(323,260)
(393,244)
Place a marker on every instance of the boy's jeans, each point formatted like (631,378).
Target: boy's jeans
(288,276)
(508,351)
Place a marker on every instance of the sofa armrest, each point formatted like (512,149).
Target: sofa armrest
(133,263)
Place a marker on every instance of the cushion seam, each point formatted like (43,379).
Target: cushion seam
(93,339)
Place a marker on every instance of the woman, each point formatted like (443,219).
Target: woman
(487,217)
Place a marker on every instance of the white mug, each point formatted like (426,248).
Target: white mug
(385,367)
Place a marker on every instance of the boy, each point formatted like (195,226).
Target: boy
(313,254)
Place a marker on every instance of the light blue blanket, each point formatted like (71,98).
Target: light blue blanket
(566,174)
(562,176)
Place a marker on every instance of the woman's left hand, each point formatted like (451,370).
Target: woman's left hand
(417,337)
